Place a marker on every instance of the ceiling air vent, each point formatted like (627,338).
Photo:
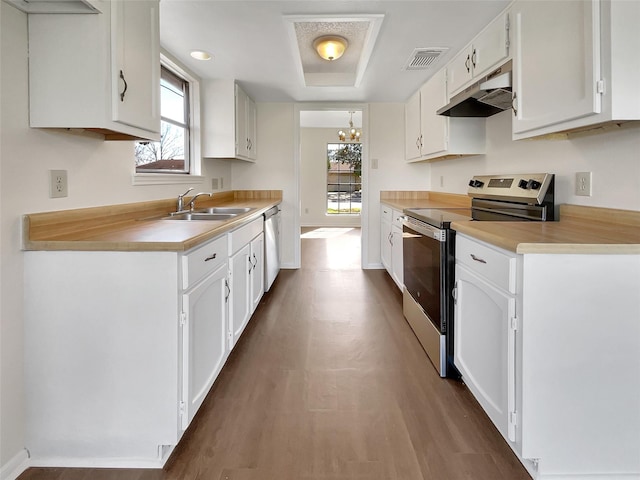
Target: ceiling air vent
(423,58)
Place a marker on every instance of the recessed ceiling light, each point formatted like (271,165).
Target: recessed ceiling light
(200,55)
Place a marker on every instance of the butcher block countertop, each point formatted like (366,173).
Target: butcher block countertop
(580,230)
(423,199)
(140,226)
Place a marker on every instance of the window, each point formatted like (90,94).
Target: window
(344,178)
(172,153)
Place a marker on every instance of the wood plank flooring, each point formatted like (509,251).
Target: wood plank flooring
(328,382)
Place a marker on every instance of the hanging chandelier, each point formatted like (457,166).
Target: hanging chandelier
(351,133)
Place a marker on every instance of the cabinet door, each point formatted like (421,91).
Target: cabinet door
(396,256)
(556,62)
(490,47)
(240,267)
(385,245)
(242,139)
(459,71)
(484,350)
(135,55)
(204,340)
(433,95)
(413,133)
(257,272)
(251,119)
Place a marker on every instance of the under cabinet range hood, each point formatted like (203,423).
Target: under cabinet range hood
(489,95)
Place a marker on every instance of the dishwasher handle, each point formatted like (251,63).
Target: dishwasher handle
(271,212)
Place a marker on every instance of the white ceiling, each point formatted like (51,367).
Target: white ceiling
(250,42)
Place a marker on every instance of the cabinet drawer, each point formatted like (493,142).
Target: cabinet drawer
(397,218)
(243,235)
(386,213)
(203,260)
(495,265)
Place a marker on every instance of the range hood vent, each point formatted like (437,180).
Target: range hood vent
(486,97)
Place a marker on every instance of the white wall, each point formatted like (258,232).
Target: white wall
(274,169)
(386,146)
(99,173)
(313,189)
(613,157)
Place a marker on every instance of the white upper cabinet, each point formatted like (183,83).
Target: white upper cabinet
(489,49)
(412,129)
(97,72)
(229,121)
(429,136)
(576,65)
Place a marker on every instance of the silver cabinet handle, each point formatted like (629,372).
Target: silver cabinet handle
(211,257)
(477,259)
(250,264)
(466,63)
(473,58)
(226,284)
(513,104)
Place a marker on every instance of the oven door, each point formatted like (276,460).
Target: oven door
(424,253)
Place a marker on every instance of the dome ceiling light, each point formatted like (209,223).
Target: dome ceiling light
(330,47)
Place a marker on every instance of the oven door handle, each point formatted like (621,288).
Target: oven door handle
(425,229)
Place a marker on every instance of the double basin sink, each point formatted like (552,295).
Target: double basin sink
(213,213)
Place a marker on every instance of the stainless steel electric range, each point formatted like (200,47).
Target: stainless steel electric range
(429,252)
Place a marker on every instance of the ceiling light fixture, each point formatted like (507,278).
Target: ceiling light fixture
(200,55)
(352,133)
(330,47)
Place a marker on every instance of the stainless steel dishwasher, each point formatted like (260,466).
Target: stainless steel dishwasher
(271,246)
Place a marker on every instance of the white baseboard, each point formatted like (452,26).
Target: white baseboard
(14,467)
(70,462)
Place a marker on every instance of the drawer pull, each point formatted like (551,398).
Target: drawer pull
(477,259)
(210,257)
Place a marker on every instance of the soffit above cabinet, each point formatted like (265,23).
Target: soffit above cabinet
(56,6)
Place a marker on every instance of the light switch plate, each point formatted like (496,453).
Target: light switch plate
(58,186)
(583,184)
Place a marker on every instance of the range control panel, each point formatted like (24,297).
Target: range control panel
(528,188)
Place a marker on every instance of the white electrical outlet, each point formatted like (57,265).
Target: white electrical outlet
(583,184)
(58,184)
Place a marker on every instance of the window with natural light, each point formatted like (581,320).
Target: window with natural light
(172,153)
(344,178)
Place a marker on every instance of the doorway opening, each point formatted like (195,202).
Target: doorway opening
(332,194)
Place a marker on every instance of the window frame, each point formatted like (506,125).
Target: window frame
(193,176)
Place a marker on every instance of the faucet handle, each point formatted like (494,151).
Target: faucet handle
(180,196)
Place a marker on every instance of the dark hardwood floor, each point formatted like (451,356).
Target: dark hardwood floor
(328,382)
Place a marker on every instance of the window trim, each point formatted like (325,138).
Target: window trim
(194,176)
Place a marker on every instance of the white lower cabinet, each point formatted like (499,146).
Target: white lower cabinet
(246,272)
(205,346)
(552,354)
(120,351)
(484,352)
(391,243)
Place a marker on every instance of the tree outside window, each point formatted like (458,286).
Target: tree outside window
(344,178)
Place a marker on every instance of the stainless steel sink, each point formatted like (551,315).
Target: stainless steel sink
(222,210)
(202,216)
